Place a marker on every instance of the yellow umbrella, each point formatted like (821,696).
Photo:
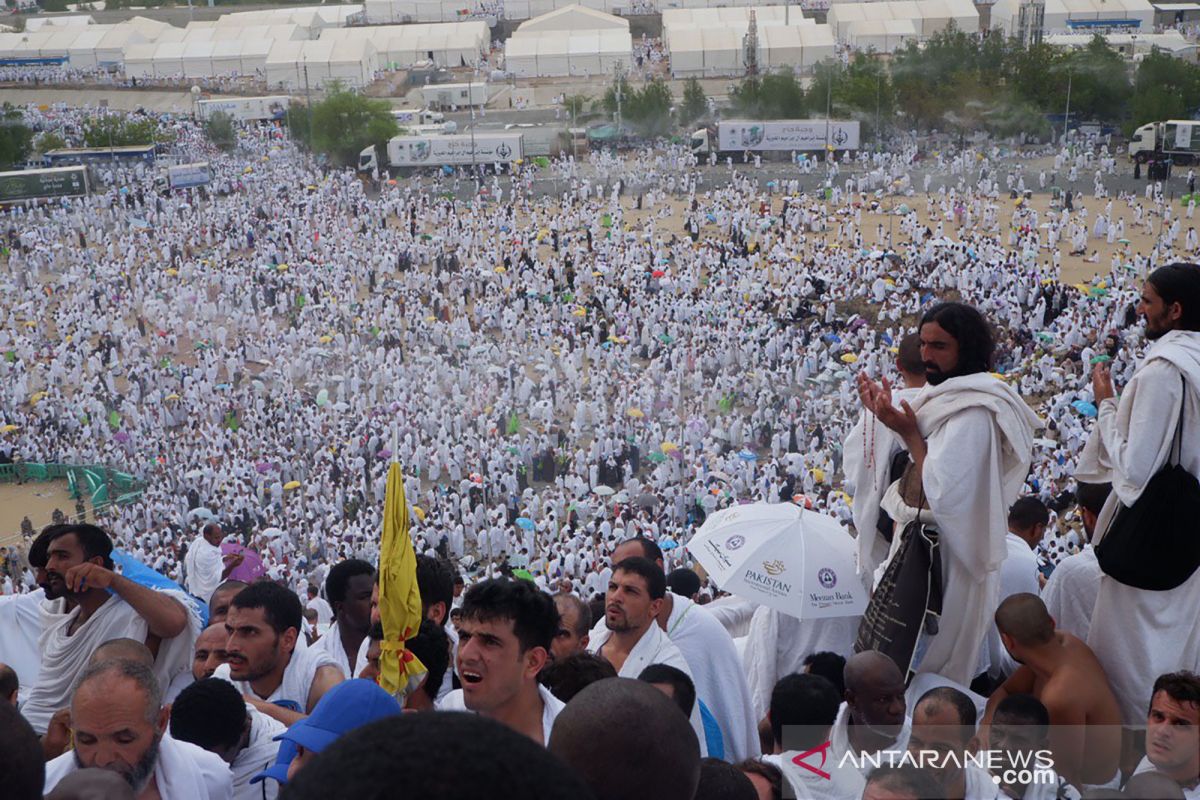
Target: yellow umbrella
(499,270)
(37,396)
(10,428)
(579,312)
(597,273)
(291,485)
(419,513)
(818,475)
(172,396)
(172,272)
(669,447)
(30,323)
(431,318)
(849,358)
(399,598)
(282,267)
(636,413)
(325,339)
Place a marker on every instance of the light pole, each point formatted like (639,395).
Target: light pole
(1067,113)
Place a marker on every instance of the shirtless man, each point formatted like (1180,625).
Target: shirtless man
(1061,671)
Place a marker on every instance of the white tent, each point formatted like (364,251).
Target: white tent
(573,18)
(687,53)
(111,47)
(882,35)
(37,24)
(82,52)
(399,12)
(139,60)
(819,44)
(284,65)
(781,47)
(842,15)
(520,56)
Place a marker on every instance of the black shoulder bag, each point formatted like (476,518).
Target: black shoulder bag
(1154,544)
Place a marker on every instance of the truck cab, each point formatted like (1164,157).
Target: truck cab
(367,159)
(417,116)
(1142,143)
(701,142)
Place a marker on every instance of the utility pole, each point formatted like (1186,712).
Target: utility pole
(308,103)
(471,106)
(750,47)
(1067,113)
(617,71)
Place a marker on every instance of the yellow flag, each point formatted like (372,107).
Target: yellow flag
(399,597)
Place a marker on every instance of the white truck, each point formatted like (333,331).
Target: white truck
(417,116)
(735,137)
(432,129)
(455,95)
(1177,139)
(246,109)
(183,176)
(413,152)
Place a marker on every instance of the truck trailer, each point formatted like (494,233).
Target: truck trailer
(735,137)
(1177,139)
(415,152)
(246,109)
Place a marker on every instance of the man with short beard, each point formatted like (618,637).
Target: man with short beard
(79,567)
(118,722)
(1139,632)
(970,439)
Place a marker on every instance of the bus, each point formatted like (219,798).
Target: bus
(43,184)
(129,154)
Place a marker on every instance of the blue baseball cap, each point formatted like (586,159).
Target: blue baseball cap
(278,771)
(348,705)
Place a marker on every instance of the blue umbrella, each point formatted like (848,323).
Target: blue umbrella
(668,545)
(525,522)
(139,573)
(748,455)
(1084,407)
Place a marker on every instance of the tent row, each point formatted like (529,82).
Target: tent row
(402,12)
(452,44)
(197,59)
(852,22)
(718,51)
(211,33)
(558,53)
(313,19)
(83,47)
(733,20)
(296,65)
(1079,15)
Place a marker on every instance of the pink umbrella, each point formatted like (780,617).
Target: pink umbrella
(251,568)
(263,466)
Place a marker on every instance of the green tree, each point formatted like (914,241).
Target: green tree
(297,121)
(775,95)
(1164,87)
(49,141)
(1099,82)
(114,130)
(620,88)
(695,104)
(345,123)
(220,131)
(16,139)
(576,105)
(649,109)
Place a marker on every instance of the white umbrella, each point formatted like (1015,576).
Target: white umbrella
(272,533)
(604,491)
(201,512)
(799,562)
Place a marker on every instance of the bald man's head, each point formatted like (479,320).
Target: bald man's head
(628,741)
(875,692)
(123,650)
(10,684)
(1024,620)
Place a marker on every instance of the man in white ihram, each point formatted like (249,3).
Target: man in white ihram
(970,438)
(206,566)
(118,722)
(1137,632)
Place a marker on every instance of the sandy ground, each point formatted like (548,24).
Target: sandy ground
(35,500)
(1075,269)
